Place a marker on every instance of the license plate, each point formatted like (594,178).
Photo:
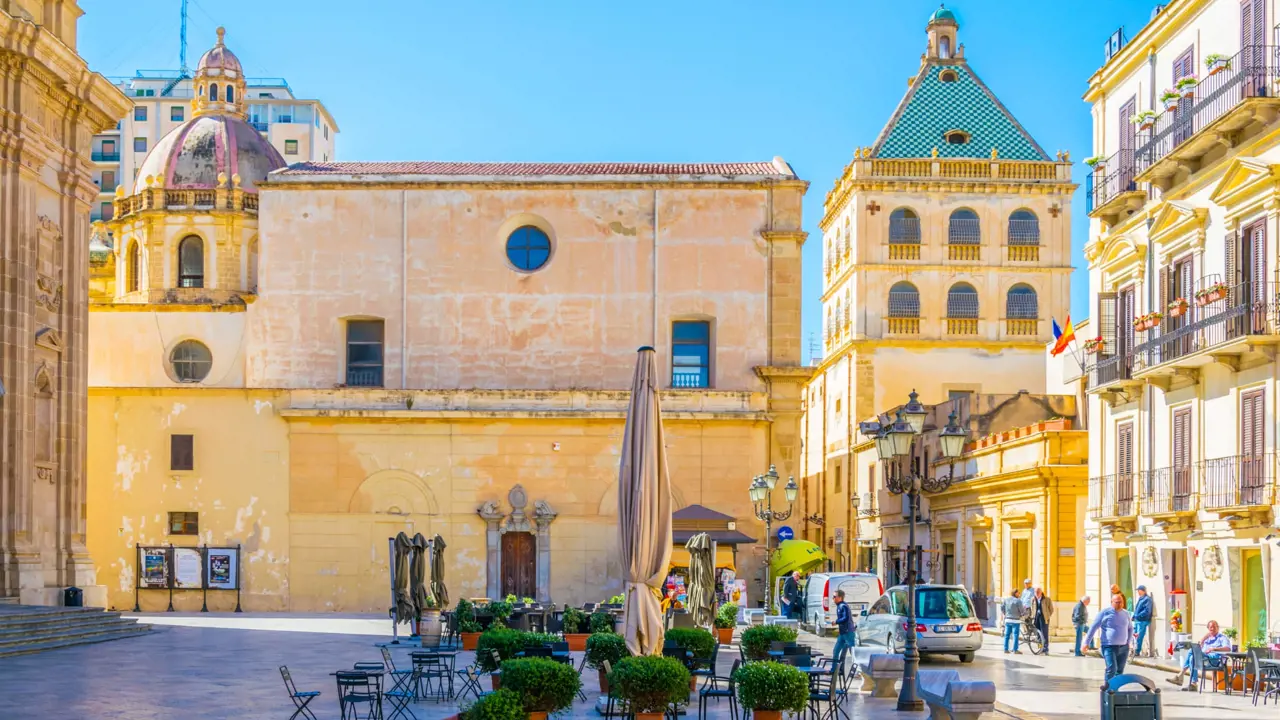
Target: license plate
(946,628)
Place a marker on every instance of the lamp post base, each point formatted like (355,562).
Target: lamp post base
(910,705)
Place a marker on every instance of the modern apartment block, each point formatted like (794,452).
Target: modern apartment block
(1184,203)
(301,130)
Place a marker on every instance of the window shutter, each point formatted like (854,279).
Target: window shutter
(1251,424)
(1181,438)
(1107,322)
(1165,277)
(1231,264)
(1258,259)
(1124,449)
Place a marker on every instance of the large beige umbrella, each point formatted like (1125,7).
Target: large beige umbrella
(644,511)
(438,590)
(418,575)
(701,578)
(404,599)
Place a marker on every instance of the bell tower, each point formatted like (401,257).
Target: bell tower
(219,82)
(942,30)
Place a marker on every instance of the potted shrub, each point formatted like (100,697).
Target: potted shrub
(543,685)
(1233,634)
(698,642)
(755,640)
(501,610)
(1170,99)
(1144,120)
(497,705)
(465,615)
(1097,163)
(601,622)
(769,688)
(602,647)
(617,600)
(651,683)
(1143,323)
(726,620)
(1212,293)
(1186,86)
(1178,308)
(1093,345)
(1216,63)
(576,624)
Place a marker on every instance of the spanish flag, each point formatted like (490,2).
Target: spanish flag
(1063,337)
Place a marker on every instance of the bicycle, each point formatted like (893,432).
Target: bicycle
(1032,637)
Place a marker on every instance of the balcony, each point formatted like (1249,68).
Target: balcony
(1222,106)
(964,252)
(1169,491)
(364,377)
(1111,497)
(1021,327)
(1111,194)
(1111,373)
(962,326)
(903,325)
(1219,331)
(100,156)
(1023,253)
(899,251)
(1239,481)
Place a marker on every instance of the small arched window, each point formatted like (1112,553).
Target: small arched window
(191,262)
(213,92)
(904,301)
(231,93)
(944,47)
(962,301)
(904,227)
(1021,303)
(956,137)
(133,264)
(191,361)
(948,76)
(1024,228)
(964,228)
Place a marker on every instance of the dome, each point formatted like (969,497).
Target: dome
(219,57)
(193,154)
(942,14)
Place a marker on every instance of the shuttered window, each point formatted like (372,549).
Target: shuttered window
(1128,142)
(1107,322)
(1181,459)
(1124,448)
(1126,310)
(1251,423)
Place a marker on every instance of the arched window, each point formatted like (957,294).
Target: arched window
(132,265)
(962,301)
(213,92)
(944,47)
(231,93)
(1024,228)
(964,228)
(528,248)
(948,76)
(191,361)
(191,262)
(904,227)
(904,301)
(1021,303)
(956,137)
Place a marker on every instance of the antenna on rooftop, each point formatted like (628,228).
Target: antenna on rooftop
(182,40)
(815,349)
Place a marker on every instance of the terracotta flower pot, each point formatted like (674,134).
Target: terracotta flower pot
(577,641)
(470,640)
(724,636)
(1146,124)
(1210,297)
(604,681)
(1177,310)
(649,716)
(496,680)
(537,716)
(767,714)
(693,683)
(1217,67)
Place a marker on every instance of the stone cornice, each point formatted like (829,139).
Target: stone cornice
(772,372)
(270,186)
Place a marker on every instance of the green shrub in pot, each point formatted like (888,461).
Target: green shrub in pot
(726,616)
(696,640)
(606,646)
(544,685)
(575,621)
(771,686)
(650,683)
(507,642)
(601,622)
(757,640)
(501,704)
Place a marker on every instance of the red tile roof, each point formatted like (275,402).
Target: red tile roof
(517,169)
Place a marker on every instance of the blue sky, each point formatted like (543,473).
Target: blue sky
(659,80)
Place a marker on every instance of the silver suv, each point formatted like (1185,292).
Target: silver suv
(945,621)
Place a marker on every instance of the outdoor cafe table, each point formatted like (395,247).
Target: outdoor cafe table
(374,677)
(444,661)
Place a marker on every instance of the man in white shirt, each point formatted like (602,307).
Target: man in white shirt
(1028,593)
(1212,644)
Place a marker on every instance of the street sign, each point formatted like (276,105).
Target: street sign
(839,536)
(785,533)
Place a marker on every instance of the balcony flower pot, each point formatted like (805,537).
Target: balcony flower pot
(1211,294)
(1170,99)
(1093,346)
(1186,85)
(1097,163)
(1145,120)
(469,640)
(1178,308)
(1217,63)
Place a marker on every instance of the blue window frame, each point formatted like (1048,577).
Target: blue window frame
(528,248)
(691,354)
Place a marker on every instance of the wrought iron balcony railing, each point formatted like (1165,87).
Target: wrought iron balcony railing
(1109,179)
(1243,310)
(1110,369)
(1112,496)
(1169,490)
(903,230)
(364,377)
(1239,480)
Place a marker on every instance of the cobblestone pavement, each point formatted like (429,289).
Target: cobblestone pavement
(226,666)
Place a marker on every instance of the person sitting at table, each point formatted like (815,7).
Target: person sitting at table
(1212,644)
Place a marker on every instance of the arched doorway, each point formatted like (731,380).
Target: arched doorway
(519,565)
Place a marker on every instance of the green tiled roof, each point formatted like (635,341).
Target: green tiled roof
(932,107)
(942,13)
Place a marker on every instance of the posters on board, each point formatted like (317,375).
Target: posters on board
(222,569)
(187,568)
(155,568)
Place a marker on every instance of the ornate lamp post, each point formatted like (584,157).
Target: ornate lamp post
(901,450)
(761,492)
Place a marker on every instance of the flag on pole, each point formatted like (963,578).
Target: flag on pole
(1063,337)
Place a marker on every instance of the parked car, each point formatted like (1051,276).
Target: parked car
(860,591)
(945,621)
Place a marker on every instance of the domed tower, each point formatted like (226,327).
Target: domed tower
(942,29)
(187,232)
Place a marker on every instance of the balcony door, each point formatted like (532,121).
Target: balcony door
(1124,469)
(1181,499)
(1128,143)
(1253,48)
(1183,128)
(1253,465)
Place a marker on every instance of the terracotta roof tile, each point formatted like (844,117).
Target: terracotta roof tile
(520,169)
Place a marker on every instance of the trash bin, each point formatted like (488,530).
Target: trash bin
(73,597)
(1130,704)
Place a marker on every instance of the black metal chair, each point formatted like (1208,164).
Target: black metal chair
(705,668)
(357,688)
(711,689)
(302,699)
(1204,666)
(826,689)
(400,697)
(1266,677)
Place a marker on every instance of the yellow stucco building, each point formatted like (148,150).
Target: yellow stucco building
(308,360)
(947,251)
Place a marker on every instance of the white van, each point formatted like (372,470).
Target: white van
(860,591)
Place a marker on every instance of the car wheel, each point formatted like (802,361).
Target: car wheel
(890,646)
(966,657)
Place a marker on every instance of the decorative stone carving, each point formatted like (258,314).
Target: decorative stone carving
(49,339)
(1212,562)
(543,514)
(489,510)
(45,472)
(50,295)
(1150,563)
(518,521)
(47,225)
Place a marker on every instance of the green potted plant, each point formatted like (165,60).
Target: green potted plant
(465,615)
(617,600)
(601,622)
(1210,294)
(497,705)
(1097,163)
(756,640)
(769,688)
(650,684)
(1093,345)
(1216,63)
(1170,99)
(528,601)
(1144,120)
(725,621)
(605,647)
(1232,633)
(510,599)
(544,685)
(1178,307)
(576,624)
(698,642)
(507,643)
(1186,85)
(500,610)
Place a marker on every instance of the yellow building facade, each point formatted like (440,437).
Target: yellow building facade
(947,251)
(52,105)
(353,350)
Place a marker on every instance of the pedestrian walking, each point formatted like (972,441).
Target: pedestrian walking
(1041,614)
(844,631)
(1116,627)
(791,595)
(1143,611)
(1013,610)
(1080,618)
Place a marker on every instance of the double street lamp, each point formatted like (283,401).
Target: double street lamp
(761,493)
(901,449)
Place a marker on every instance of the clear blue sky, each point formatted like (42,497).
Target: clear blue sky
(646,81)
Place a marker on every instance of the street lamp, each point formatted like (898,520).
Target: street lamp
(901,451)
(761,494)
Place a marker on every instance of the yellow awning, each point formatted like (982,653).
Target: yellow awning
(724,557)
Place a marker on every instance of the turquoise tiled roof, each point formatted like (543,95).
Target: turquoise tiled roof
(942,13)
(932,107)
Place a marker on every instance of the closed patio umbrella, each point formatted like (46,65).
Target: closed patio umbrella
(404,599)
(438,590)
(418,573)
(644,511)
(701,579)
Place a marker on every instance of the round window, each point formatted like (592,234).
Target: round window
(191,361)
(528,248)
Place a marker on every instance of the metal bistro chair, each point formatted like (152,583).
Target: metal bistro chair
(616,705)
(826,689)
(399,678)
(435,672)
(301,699)
(1266,677)
(354,689)
(705,667)
(470,677)
(712,689)
(1204,667)
(400,697)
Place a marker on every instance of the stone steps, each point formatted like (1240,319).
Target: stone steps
(30,628)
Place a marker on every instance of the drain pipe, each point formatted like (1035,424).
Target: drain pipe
(404,290)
